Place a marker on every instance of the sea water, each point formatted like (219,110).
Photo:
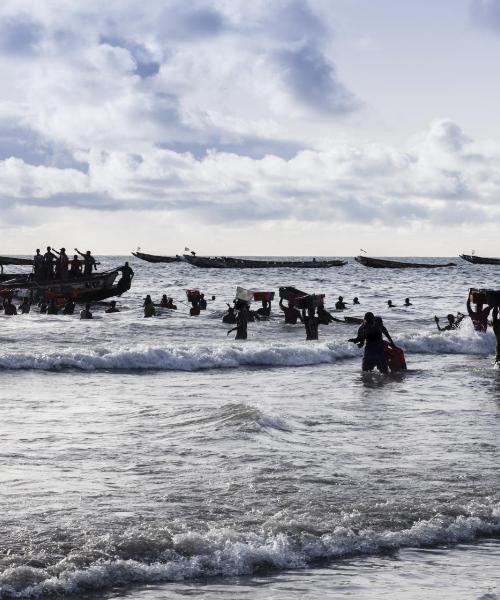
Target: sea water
(153,458)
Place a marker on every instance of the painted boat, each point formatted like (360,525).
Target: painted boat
(480,260)
(97,286)
(227,262)
(155,258)
(382,263)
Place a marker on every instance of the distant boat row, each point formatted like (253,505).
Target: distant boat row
(227,262)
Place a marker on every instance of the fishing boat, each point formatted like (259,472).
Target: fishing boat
(97,286)
(227,262)
(480,260)
(155,258)
(382,263)
(11,260)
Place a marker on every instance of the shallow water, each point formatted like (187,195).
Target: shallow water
(151,456)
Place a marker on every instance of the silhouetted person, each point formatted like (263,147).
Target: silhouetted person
(89,262)
(9,309)
(48,264)
(112,307)
(292,315)
(85,312)
(311,323)
(390,304)
(149,307)
(265,309)
(407,302)
(230,317)
(42,305)
(241,323)
(496,331)
(340,304)
(479,317)
(324,317)
(25,306)
(75,267)
(355,300)
(62,264)
(69,307)
(202,302)
(125,280)
(38,265)
(370,336)
(164,301)
(52,308)
(453,322)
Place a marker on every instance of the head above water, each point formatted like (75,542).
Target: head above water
(341,298)
(369,318)
(451,318)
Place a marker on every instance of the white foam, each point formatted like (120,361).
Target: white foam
(228,553)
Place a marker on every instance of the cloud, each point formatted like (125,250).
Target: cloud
(486,13)
(19,34)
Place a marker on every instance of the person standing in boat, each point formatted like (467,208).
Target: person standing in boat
(479,317)
(370,335)
(292,315)
(75,267)
(62,264)
(48,264)
(89,262)
(37,265)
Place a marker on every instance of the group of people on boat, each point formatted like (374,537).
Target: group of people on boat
(56,264)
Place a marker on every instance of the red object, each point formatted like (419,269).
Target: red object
(477,297)
(264,296)
(192,295)
(395,357)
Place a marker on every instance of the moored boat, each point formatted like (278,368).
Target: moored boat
(480,260)
(382,263)
(97,286)
(155,258)
(227,262)
(11,260)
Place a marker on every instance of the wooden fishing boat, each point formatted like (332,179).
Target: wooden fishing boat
(480,260)
(154,258)
(11,260)
(97,286)
(382,263)
(227,262)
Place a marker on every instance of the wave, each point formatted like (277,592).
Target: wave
(226,553)
(193,357)
(462,341)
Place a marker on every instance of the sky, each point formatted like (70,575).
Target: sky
(271,127)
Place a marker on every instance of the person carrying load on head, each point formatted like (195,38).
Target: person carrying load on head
(311,321)
(370,335)
(479,317)
(89,262)
(292,314)
(453,322)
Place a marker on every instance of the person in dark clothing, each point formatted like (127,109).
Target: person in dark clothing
(355,300)
(496,331)
(25,306)
(42,305)
(340,304)
(311,323)
(324,317)
(453,322)
(241,323)
(75,267)
(38,265)
(407,302)
(85,313)
(370,335)
(149,307)
(265,310)
(9,309)
(52,308)
(112,307)
(479,317)
(202,302)
(62,264)
(69,307)
(164,301)
(125,280)
(390,304)
(292,315)
(230,317)
(89,262)
(48,264)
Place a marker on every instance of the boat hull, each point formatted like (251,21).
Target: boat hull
(480,260)
(224,262)
(154,258)
(380,263)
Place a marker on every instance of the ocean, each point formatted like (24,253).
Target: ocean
(160,458)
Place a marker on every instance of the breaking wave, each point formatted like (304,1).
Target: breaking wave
(227,553)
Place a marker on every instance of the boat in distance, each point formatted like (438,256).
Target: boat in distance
(11,260)
(155,258)
(382,263)
(227,262)
(480,260)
